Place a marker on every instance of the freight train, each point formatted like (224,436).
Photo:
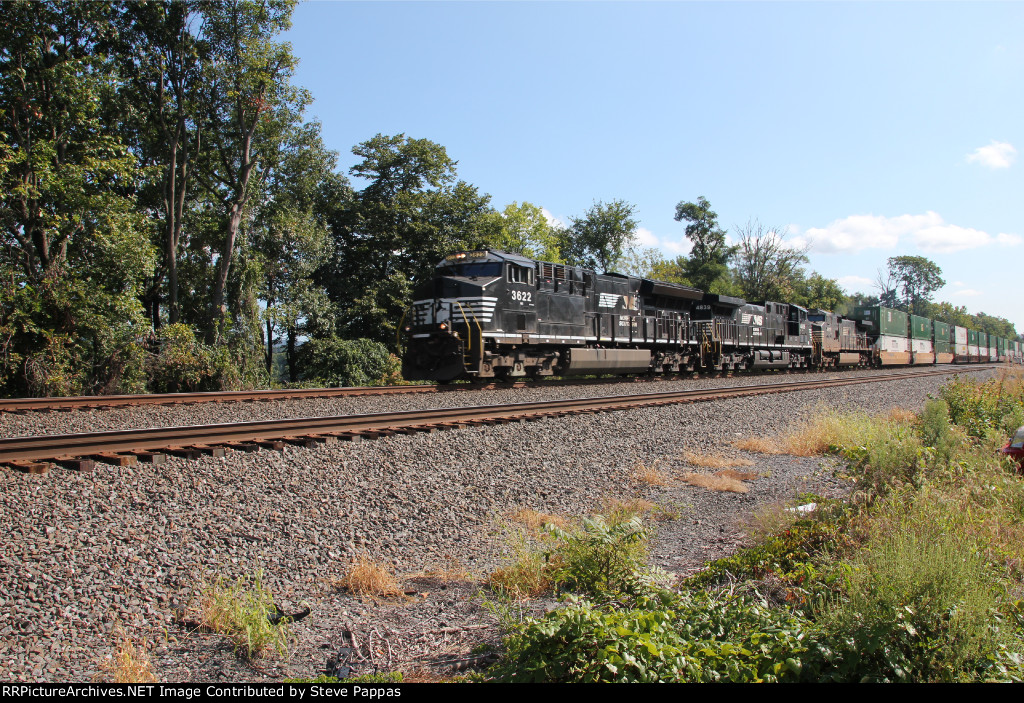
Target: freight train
(492,314)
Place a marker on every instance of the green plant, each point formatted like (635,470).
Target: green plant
(663,637)
(242,612)
(346,362)
(920,603)
(599,559)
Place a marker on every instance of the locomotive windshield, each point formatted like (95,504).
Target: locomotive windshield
(490,269)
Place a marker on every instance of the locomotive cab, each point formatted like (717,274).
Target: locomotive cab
(474,296)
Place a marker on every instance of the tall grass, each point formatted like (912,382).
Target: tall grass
(242,611)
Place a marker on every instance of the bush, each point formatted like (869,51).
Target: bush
(997,405)
(183,364)
(920,605)
(345,362)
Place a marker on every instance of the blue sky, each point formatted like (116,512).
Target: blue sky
(868,129)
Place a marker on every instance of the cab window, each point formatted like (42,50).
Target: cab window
(520,274)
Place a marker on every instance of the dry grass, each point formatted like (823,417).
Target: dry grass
(650,475)
(738,475)
(535,520)
(902,416)
(367,577)
(759,445)
(616,510)
(715,483)
(526,575)
(129,664)
(714,461)
(810,438)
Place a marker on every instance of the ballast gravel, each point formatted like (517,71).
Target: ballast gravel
(88,558)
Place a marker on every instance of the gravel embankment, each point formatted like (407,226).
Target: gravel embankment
(122,547)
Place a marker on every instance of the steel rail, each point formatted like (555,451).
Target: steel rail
(21,405)
(158,439)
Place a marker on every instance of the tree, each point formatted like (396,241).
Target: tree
(816,291)
(525,230)
(766,268)
(598,239)
(160,60)
(248,105)
(291,237)
(887,285)
(411,213)
(918,278)
(73,249)
(709,257)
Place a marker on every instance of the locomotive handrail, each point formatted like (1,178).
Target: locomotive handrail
(469,332)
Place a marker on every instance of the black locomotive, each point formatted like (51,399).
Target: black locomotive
(490,314)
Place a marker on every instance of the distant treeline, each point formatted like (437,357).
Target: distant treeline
(170,217)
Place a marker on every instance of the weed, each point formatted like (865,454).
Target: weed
(242,612)
(715,483)
(368,577)
(526,575)
(650,475)
(129,664)
(535,521)
(616,510)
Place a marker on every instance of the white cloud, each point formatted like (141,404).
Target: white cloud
(552,220)
(995,155)
(855,283)
(646,238)
(679,247)
(929,232)
(967,292)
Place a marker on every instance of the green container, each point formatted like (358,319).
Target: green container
(881,320)
(920,328)
(972,338)
(983,341)
(942,343)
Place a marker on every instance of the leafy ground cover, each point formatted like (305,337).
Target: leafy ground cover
(917,577)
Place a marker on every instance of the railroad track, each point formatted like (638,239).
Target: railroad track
(126,447)
(106,402)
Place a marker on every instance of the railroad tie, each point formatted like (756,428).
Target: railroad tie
(115,459)
(29,467)
(74,463)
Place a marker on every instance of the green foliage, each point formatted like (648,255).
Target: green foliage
(183,364)
(917,278)
(709,257)
(599,559)
(660,638)
(598,239)
(241,611)
(766,268)
(993,407)
(346,362)
(920,604)
(525,230)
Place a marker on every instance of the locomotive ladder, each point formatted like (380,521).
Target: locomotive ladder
(469,352)
(710,343)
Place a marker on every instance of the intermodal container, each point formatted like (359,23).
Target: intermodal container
(882,321)
(943,345)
